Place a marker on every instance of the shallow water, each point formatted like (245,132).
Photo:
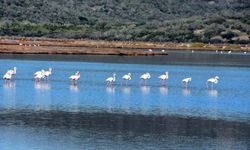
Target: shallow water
(90,115)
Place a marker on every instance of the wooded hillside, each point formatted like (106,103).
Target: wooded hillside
(142,20)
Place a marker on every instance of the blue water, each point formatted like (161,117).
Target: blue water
(228,101)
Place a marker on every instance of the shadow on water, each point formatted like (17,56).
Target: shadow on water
(143,124)
(174,57)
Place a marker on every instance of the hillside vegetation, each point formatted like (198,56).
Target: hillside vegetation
(217,21)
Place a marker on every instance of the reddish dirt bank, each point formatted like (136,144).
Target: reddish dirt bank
(63,46)
(100,47)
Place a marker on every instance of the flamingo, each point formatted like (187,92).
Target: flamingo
(7,76)
(11,71)
(186,81)
(145,77)
(39,72)
(39,75)
(75,77)
(48,73)
(213,81)
(127,77)
(110,80)
(163,78)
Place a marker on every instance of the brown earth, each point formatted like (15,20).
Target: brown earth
(17,45)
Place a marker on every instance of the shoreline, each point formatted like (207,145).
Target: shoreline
(23,45)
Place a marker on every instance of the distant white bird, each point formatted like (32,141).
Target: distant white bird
(39,75)
(186,81)
(75,77)
(7,76)
(12,71)
(126,77)
(229,52)
(48,73)
(150,50)
(163,78)
(245,52)
(192,51)
(39,72)
(145,77)
(163,50)
(212,81)
(110,80)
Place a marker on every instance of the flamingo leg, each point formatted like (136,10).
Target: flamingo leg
(140,83)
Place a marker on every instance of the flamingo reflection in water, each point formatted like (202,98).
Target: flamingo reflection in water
(74,87)
(186,91)
(42,86)
(213,92)
(126,89)
(110,89)
(163,90)
(9,84)
(145,89)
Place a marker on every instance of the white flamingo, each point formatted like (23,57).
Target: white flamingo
(75,77)
(48,73)
(186,81)
(39,72)
(163,78)
(39,75)
(145,77)
(110,80)
(11,71)
(127,77)
(7,76)
(212,81)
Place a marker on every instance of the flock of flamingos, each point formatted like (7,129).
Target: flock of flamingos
(42,74)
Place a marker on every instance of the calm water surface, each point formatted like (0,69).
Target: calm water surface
(55,114)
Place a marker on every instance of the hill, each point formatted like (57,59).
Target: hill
(218,21)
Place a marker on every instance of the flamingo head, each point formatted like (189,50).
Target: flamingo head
(50,69)
(14,68)
(149,76)
(129,74)
(78,73)
(114,74)
(42,70)
(190,79)
(216,77)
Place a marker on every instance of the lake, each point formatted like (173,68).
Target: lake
(56,114)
